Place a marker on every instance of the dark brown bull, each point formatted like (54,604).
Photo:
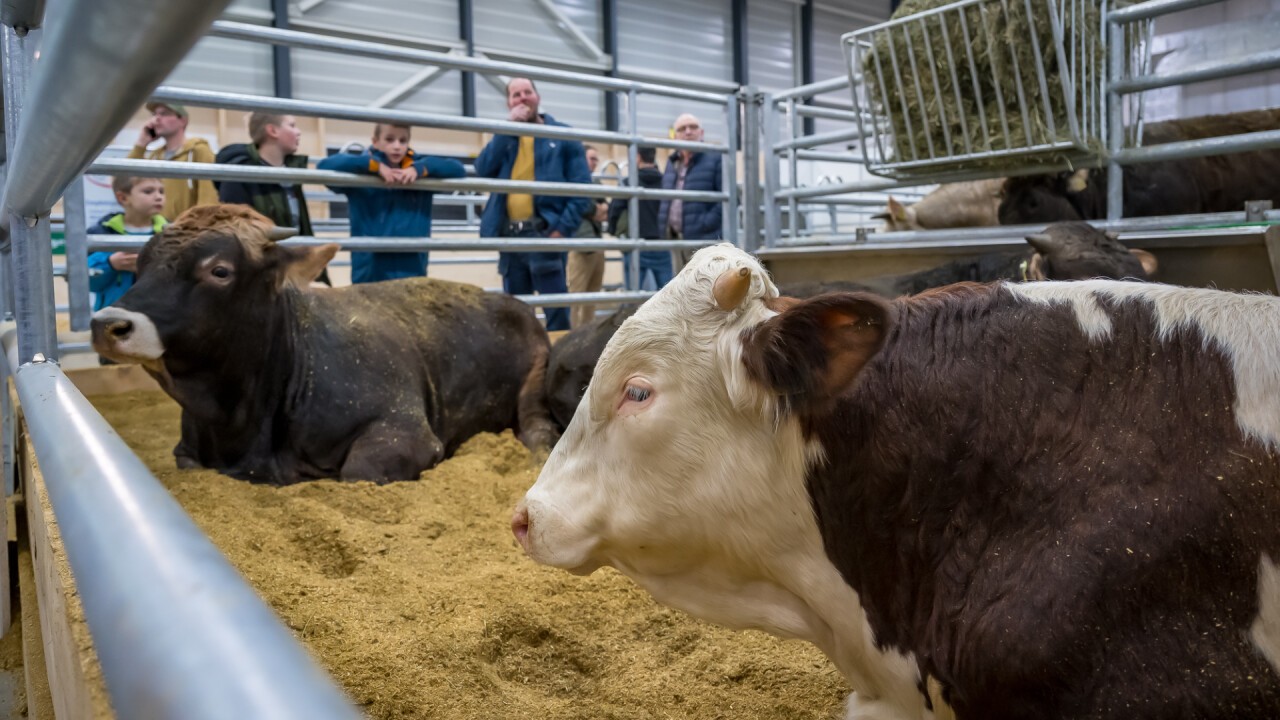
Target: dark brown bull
(1175,187)
(280,383)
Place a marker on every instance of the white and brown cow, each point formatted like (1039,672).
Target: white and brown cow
(1053,500)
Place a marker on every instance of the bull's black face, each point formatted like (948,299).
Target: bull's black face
(192,304)
(1035,201)
(567,384)
(1079,251)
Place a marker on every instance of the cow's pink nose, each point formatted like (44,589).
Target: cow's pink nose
(520,526)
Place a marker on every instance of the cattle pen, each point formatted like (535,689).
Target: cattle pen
(177,631)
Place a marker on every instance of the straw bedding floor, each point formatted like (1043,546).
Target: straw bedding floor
(417,600)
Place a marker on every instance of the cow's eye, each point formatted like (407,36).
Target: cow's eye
(637,394)
(221,272)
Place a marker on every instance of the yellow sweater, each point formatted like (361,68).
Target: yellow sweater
(180,195)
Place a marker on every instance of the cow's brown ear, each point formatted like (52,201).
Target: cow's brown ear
(302,265)
(814,349)
(1149,262)
(897,210)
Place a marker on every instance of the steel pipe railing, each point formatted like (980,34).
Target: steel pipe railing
(264,174)
(313,41)
(905,239)
(594,298)
(814,88)
(236,101)
(1154,8)
(108,243)
(177,630)
(1261,62)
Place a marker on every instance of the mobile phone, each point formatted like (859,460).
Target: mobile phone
(151,132)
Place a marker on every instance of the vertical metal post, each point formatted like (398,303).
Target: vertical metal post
(751,170)
(793,167)
(77,245)
(1115,121)
(609,23)
(32,246)
(466,32)
(281,60)
(729,218)
(772,171)
(633,178)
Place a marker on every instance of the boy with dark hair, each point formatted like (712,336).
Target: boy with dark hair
(113,273)
(384,212)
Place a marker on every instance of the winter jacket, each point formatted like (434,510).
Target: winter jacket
(383,212)
(105,282)
(650,177)
(181,195)
(267,198)
(701,219)
(554,160)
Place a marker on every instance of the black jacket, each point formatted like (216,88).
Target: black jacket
(267,198)
(650,177)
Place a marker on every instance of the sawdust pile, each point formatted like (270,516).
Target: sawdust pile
(418,601)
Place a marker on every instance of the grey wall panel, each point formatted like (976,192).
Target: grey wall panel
(830,21)
(226,65)
(772,39)
(352,80)
(410,19)
(680,38)
(524,27)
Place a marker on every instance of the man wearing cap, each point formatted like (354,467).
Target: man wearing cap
(169,123)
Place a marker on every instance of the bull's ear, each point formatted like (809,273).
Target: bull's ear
(1078,181)
(813,350)
(1149,262)
(1043,243)
(302,265)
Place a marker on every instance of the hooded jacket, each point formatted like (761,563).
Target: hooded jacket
(181,195)
(105,282)
(267,198)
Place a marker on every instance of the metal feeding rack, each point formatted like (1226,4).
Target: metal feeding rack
(996,84)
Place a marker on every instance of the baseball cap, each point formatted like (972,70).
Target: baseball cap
(178,110)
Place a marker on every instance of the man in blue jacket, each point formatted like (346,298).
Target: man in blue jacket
(525,215)
(383,212)
(691,220)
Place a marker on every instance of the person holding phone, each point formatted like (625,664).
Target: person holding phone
(169,123)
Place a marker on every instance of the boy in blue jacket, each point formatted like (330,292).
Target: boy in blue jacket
(383,212)
(113,273)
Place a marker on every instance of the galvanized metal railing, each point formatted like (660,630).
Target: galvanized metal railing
(178,633)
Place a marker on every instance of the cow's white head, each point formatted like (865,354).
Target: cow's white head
(683,470)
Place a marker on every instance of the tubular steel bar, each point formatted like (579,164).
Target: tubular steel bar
(312,41)
(1154,8)
(77,269)
(209,171)
(906,238)
(102,243)
(236,101)
(179,633)
(816,88)
(750,240)
(593,298)
(1225,145)
(1115,122)
(1266,60)
(72,96)
(25,14)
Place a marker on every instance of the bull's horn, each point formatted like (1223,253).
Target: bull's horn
(731,288)
(276,234)
(1042,242)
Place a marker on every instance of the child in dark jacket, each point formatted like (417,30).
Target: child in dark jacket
(383,212)
(111,274)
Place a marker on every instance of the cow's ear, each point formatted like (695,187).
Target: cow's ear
(897,210)
(1149,262)
(814,349)
(302,265)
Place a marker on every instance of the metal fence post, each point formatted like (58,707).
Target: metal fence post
(729,218)
(77,246)
(772,171)
(1115,120)
(32,249)
(632,280)
(750,169)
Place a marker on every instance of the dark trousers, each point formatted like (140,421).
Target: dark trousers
(524,273)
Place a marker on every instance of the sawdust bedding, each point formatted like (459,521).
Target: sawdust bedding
(417,600)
